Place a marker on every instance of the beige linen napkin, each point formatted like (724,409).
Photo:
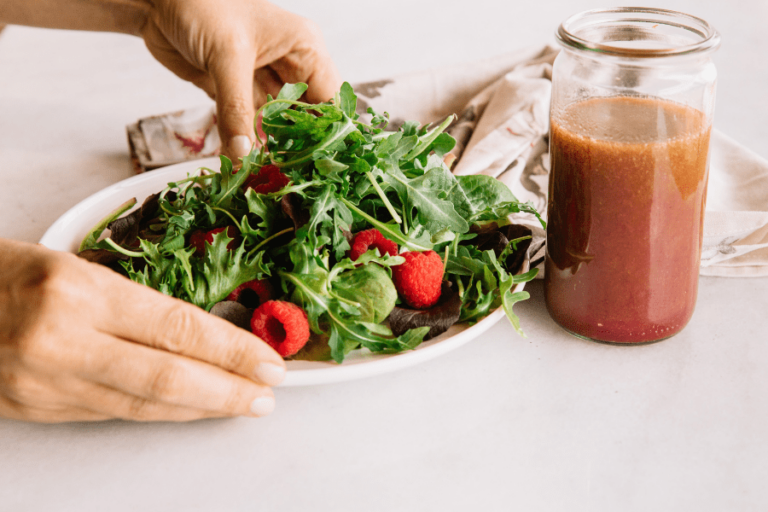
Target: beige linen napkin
(502,105)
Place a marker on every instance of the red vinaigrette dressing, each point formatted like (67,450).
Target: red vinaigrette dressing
(625,217)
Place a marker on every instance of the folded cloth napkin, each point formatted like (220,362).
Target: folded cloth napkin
(171,138)
(502,105)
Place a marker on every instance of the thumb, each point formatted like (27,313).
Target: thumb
(233,82)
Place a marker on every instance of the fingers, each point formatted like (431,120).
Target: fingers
(85,401)
(309,62)
(175,326)
(323,79)
(232,75)
(266,80)
(165,53)
(323,84)
(17,411)
(111,403)
(172,381)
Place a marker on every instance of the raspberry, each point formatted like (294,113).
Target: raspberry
(371,239)
(252,293)
(282,325)
(269,179)
(418,279)
(198,238)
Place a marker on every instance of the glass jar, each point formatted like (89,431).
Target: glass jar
(633,95)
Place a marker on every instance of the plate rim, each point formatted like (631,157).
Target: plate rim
(295,377)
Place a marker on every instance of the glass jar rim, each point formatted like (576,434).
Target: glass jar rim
(568,32)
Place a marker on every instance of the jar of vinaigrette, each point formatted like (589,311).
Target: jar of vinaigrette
(633,95)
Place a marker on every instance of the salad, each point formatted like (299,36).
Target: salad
(333,235)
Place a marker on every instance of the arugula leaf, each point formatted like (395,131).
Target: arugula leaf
(394,148)
(348,99)
(328,166)
(320,217)
(335,135)
(427,194)
(426,141)
(294,123)
(477,303)
(265,209)
(310,292)
(484,192)
(289,92)
(228,182)
(351,332)
(416,241)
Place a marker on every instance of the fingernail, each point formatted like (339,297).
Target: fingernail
(269,373)
(240,145)
(263,405)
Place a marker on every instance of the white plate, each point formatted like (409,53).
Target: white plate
(69,230)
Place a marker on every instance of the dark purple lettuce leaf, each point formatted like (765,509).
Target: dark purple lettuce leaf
(492,237)
(439,317)
(233,312)
(291,206)
(125,230)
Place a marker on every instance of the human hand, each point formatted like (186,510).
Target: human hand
(238,52)
(79,342)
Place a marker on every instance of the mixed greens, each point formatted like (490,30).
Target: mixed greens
(346,175)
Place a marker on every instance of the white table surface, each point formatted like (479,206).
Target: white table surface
(505,423)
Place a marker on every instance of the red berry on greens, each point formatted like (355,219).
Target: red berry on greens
(252,293)
(418,280)
(371,239)
(282,325)
(269,179)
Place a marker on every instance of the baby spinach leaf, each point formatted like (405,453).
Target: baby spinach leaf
(371,290)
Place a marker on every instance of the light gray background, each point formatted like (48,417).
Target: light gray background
(504,423)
